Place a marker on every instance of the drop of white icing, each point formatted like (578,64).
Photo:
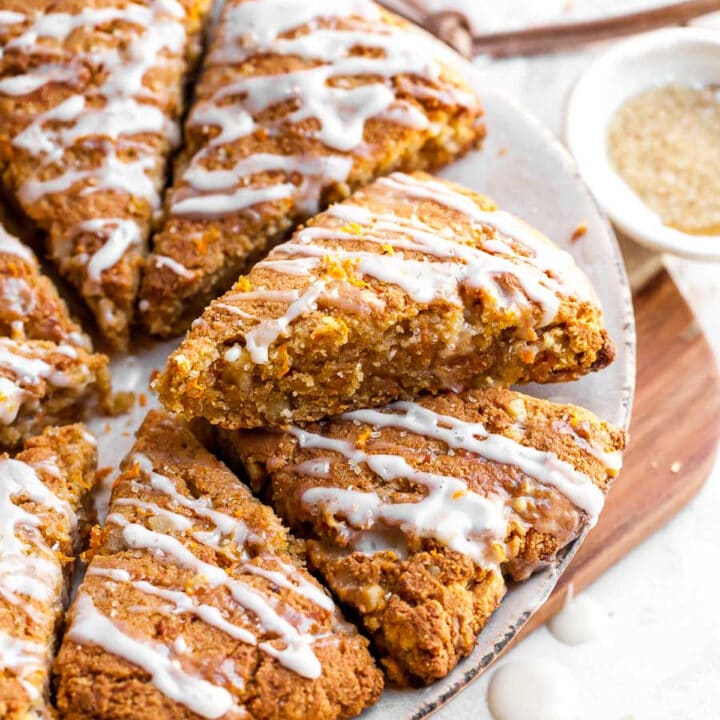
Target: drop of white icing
(532,690)
(580,620)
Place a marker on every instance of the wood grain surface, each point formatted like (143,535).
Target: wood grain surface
(674,435)
(570,35)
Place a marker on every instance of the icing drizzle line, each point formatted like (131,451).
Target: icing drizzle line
(29,568)
(447,264)
(323,91)
(118,111)
(450,511)
(292,629)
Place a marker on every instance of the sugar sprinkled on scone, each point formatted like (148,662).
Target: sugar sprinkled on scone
(41,495)
(90,94)
(418,509)
(299,103)
(196,603)
(412,284)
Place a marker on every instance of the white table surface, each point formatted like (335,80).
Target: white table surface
(659,658)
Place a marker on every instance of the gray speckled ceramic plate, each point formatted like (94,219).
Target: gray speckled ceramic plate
(528,173)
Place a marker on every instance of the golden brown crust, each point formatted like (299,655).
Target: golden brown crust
(55,132)
(64,460)
(213,249)
(422,601)
(365,331)
(93,682)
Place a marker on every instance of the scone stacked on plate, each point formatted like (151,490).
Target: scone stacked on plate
(49,374)
(418,293)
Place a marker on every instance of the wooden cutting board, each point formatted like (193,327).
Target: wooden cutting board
(674,435)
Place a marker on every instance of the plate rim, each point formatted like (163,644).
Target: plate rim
(617,265)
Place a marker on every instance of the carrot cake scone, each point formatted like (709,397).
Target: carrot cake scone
(412,284)
(195,604)
(48,372)
(90,93)
(44,383)
(42,491)
(299,104)
(30,306)
(415,511)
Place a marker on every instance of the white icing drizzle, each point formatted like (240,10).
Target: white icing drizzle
(12,398)
(447,264)
(328,39)
(118,111)
(558,264)
(174,265)
(31,365)
(168,675)
(10,245)
(121,235)
(29,568)
(291,628)
(297,654)
(173,520)
(449,512)
(183,603)
(263,335)
(24,658)
(543,466)
(215,205)
(610,460)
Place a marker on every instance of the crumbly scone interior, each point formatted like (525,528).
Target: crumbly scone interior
(42,491)
(415,512)
(196,603)
(412,284)
(90,94)
(298,105)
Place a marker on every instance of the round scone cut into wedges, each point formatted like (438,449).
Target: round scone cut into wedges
(415,513)
(412,284)
(196,604)
(90,95)
(299,103)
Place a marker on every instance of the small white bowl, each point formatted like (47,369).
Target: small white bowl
(686,56)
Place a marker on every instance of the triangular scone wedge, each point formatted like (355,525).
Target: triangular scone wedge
(89,98)
(42,493)
(44,383)
(196,604)
(299,104)
(412,284)
(416,511)
(30,306)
